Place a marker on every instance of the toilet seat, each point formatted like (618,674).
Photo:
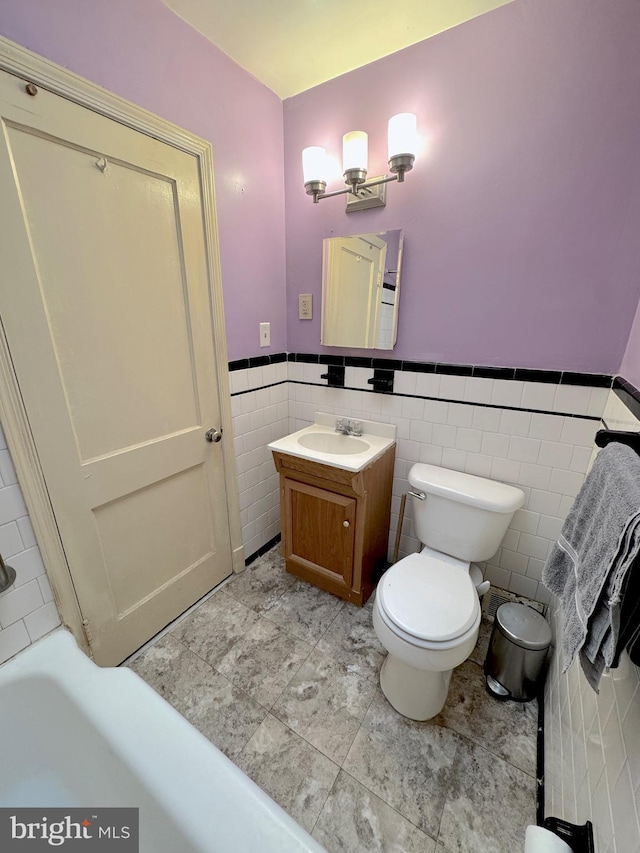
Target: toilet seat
(428,602)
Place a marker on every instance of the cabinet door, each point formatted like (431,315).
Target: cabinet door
(319,529)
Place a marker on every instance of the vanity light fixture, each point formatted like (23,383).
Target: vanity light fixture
(402,138)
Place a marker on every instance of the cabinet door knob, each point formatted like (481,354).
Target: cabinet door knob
(345,523)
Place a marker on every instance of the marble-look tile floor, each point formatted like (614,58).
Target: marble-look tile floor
(283,678)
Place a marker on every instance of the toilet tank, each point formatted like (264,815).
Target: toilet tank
(462,515)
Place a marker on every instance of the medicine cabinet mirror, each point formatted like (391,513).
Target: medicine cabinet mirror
(360,290)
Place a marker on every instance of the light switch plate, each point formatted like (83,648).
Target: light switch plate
(305,306)
(265,334)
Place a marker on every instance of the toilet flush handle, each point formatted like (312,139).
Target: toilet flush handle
(420,495)
(483,588)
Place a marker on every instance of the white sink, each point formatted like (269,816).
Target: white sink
(335,443)
(321,443)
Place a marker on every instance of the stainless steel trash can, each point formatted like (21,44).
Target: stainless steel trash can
(517,652)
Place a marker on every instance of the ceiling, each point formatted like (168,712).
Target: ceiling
(293,45)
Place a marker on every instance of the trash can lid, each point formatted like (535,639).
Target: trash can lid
(523,625)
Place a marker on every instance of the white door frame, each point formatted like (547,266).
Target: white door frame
(21,62)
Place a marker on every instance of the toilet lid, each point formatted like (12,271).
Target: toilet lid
(429,599)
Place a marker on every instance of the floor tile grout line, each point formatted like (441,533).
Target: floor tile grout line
(271,606)
(297,636)
(264,614)
(459,741)
(241,750)
(260,615)
(231,683)
(373,696)
(446,797)
(338,611)
(215,669)
(314,748)
(488,749)
(177,621)
(288,683)
(326,800)
(341,763)
(387,803)
(393,808)
(261,611)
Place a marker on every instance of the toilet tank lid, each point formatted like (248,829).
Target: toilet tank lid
(466,488)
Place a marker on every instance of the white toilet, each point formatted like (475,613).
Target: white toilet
(426,611)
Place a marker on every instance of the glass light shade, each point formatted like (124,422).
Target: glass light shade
(403,135)
(314,164)
(354,150)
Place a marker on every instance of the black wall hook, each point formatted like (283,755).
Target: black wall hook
(334,376)
(579,838)
(382,380)
(606,436)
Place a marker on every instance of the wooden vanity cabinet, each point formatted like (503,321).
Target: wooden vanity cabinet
(335,523)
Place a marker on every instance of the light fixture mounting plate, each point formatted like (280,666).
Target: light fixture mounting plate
(367,197)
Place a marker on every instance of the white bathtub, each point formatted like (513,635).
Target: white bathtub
(73,734)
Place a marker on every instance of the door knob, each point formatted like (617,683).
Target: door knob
(345,523)
(213,434)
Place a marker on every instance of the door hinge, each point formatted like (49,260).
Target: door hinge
(87,632)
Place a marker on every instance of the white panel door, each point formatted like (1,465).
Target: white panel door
(105,302)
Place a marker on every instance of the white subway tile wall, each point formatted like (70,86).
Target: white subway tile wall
(592,741)
(27,611)
(260,410)
(546,454)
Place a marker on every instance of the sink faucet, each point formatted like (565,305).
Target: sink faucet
(347,427)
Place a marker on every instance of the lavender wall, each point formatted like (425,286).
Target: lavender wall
(522,215)
(145,53)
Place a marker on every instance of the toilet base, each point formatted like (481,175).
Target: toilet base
(418,694)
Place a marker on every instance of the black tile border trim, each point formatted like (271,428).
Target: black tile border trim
(453,369)
(440,400)
(629,395)
(263,549)
(257,361)
(494,372)
(358,361)
(271,385)
(522,374)
(305,357)
(419,397)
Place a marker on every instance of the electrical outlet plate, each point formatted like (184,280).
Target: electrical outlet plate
(265,334)
(305,306)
